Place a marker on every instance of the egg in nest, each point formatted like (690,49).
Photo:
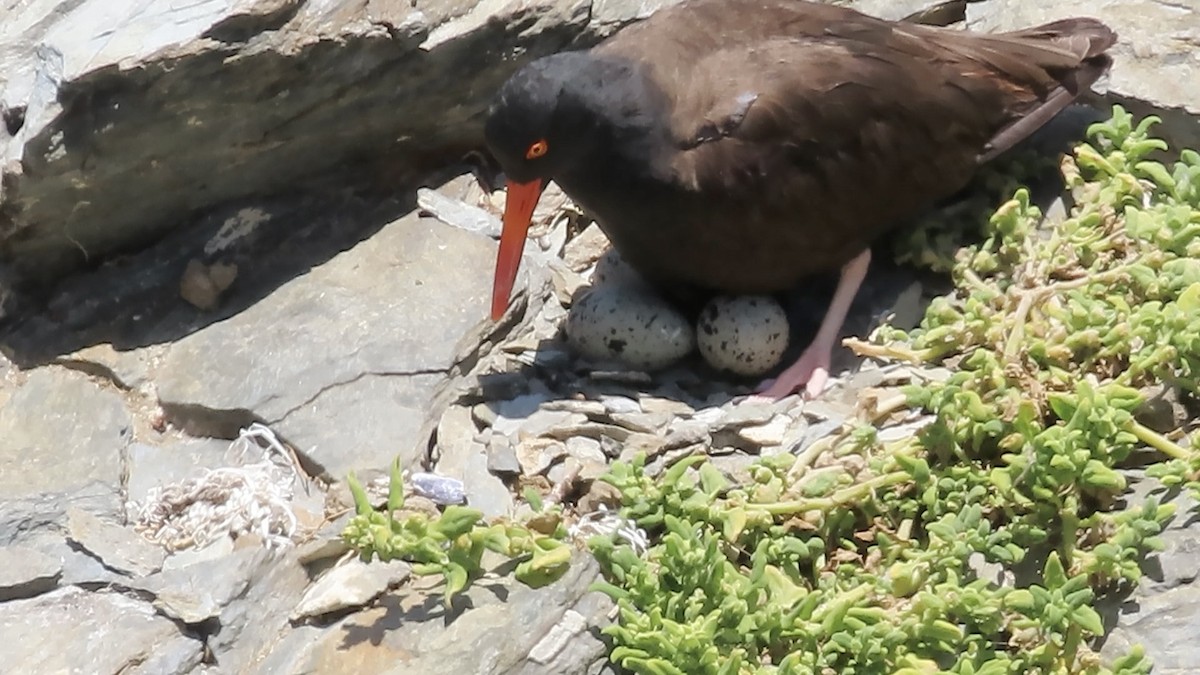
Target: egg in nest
(742,334)
(629,325)
(612,270)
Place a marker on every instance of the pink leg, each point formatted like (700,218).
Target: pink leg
(812,368)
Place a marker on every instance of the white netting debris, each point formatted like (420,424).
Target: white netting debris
(611,523)
(250,498)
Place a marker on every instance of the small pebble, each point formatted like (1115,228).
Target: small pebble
(771,433)
(538,454)
(502,457)
(620,404)
(585,449)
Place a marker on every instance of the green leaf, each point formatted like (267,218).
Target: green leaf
(1157,173)
(612,591)
(1088,619)
(395,488)
(1063,405)
(456,580)
(496,539)
(456,521)
(733,523)
(1189,299)
(1054,575)
(1021,600)
(533,498)
(943,631)
(1097,476)
(362,505)
(650,666)
(914,466)
(672,475)
(545,567)
(712,481)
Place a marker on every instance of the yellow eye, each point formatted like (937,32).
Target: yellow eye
(537,149)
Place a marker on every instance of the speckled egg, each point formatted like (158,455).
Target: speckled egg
(742,334)
(634,327)
(612,270)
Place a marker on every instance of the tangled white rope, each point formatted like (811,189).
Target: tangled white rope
(229,501)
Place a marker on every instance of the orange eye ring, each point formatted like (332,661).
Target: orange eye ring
(537,149)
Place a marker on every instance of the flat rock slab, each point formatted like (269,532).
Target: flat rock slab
(37,522)
(343,361)
(1165,624)
(118,547)
(75,631)
(495,631)
(61,430)
(210,101)
(350,585)
(210,588)
(26,572)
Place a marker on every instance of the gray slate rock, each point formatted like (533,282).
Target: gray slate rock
(493,630)
(26,572)
(1165,624)
(75,631)
(263,587)
(502,457)
(350,585)
(61,430)
(219,101)
(1163,612)
(119,548)
(204,590)
(464,458)
(46,513)
(38,522)
(345,357)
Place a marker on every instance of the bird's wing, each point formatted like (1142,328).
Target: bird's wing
(842,105)
(833,80)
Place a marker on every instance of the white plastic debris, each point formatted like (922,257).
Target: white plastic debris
(229,501)
(611,523)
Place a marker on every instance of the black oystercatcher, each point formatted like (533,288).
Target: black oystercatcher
(743,145)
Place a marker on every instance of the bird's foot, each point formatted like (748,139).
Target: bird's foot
(810,371)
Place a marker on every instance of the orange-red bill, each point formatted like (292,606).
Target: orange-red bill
(518,211)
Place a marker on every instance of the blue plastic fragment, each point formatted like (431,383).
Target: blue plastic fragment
(440,489)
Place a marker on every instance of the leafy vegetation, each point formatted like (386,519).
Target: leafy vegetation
(452,544)
(977,544)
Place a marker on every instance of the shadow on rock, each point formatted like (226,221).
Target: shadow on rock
(228,260)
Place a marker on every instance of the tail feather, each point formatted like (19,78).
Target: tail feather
(1085,37)
(1057,61)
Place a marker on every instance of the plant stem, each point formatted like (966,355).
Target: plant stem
(843,496)
(1159,442)
(890,351)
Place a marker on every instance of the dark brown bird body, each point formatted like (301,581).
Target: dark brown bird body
(744,145)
